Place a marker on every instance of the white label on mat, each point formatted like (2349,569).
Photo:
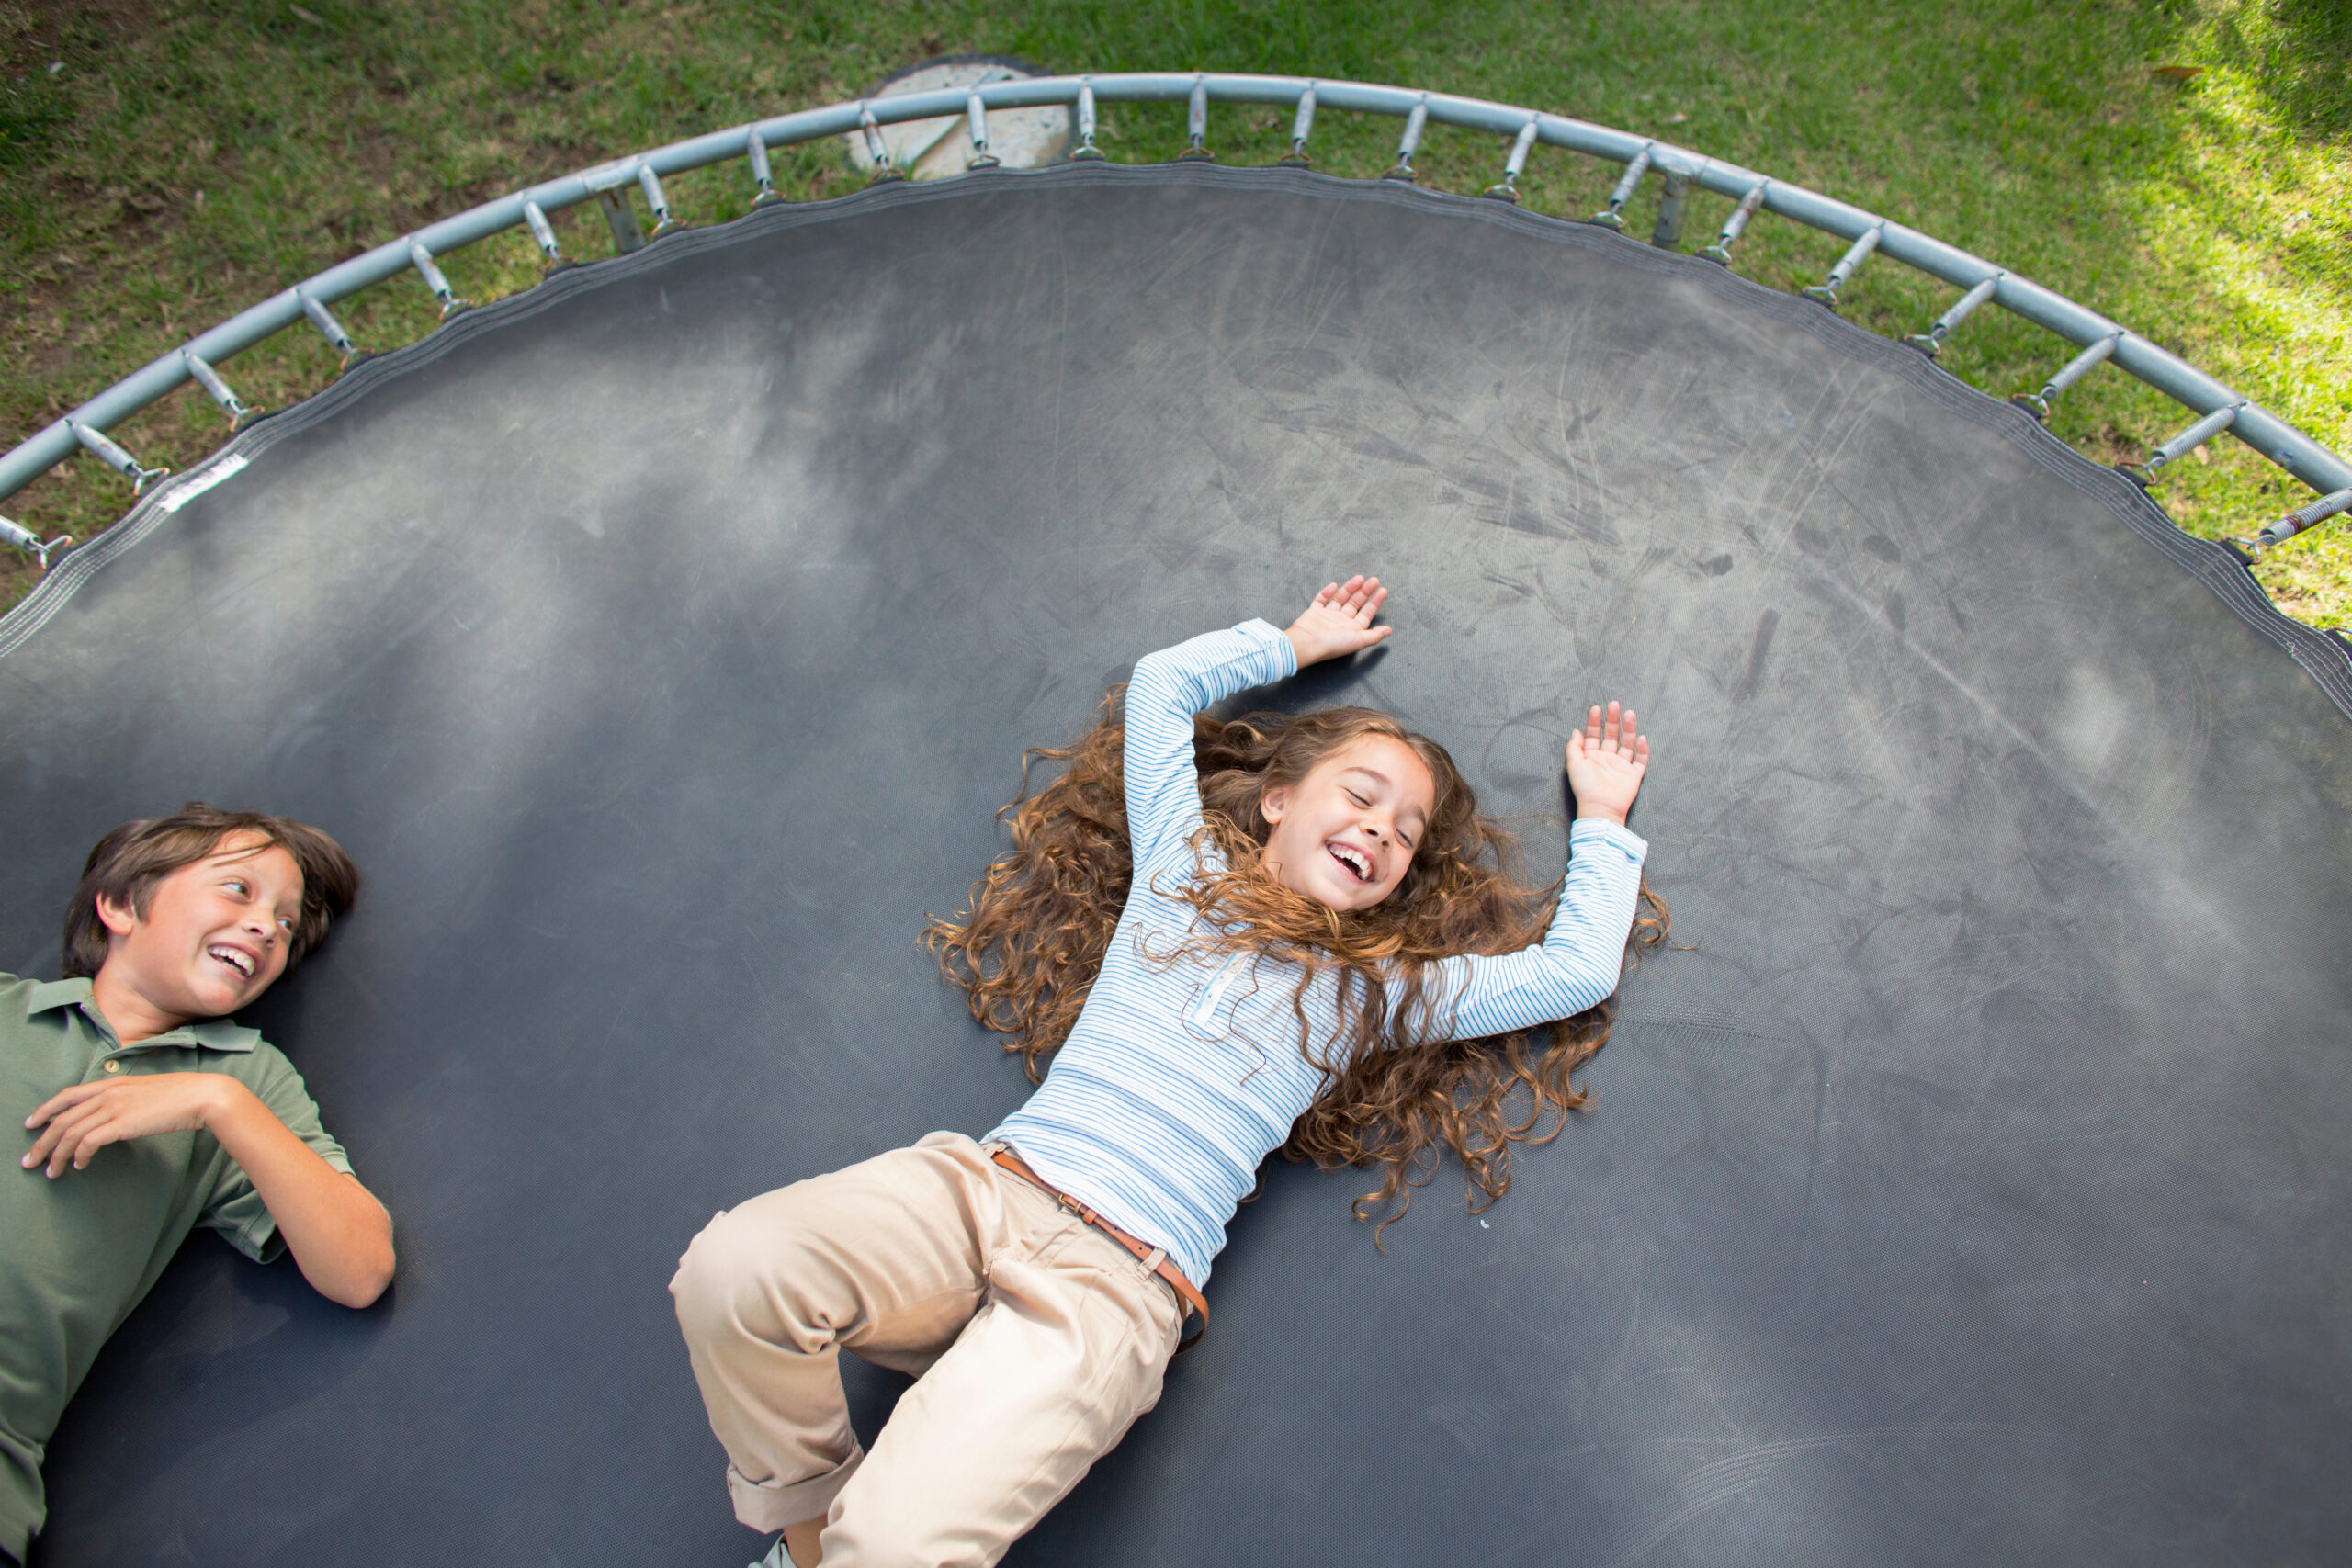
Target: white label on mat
(187,490)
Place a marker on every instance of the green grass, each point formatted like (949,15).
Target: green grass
(182,160)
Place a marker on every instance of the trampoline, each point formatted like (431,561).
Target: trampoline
(1969,1189)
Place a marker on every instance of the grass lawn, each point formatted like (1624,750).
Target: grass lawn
(164,163)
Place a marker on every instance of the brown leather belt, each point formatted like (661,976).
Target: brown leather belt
(1152,1258)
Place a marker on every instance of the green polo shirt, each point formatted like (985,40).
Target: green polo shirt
(82,1250)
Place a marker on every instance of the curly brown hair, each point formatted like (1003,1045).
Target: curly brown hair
(1027,951)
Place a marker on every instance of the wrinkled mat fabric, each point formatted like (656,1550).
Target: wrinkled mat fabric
(1967,1187)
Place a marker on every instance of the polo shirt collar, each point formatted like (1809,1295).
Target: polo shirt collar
(57,993)
(209,1034)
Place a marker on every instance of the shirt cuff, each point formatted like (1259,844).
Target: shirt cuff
(1596,831)
(1272,638)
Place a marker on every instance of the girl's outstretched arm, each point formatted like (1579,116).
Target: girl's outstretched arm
(1578,963)
(1163,786)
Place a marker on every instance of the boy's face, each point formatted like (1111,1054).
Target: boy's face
(215,934)
(1345,835)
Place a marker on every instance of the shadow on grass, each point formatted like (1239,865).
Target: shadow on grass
(2299,63)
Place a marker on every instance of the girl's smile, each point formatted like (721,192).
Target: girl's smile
(1344,835)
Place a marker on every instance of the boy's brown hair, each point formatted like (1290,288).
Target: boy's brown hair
(126,863)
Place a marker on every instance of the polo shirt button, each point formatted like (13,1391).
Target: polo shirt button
(113,1066)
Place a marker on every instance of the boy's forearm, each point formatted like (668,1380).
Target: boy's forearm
(340,1237)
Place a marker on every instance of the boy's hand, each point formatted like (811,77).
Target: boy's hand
(340,1237)
(1339,621)
(88,1117)
(1606,760)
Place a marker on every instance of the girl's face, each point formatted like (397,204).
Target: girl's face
(1344,835)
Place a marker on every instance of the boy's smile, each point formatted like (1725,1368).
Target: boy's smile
(1344,835)
(215,935)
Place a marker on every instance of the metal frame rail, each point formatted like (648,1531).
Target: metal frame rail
(2101,341)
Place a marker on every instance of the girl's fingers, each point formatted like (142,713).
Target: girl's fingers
(1613,731)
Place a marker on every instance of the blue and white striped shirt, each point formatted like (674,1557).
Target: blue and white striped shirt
(1178,1079)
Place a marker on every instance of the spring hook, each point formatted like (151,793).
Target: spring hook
(1415,123)
(1196,125)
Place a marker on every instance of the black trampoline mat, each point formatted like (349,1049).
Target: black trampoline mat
(661,641)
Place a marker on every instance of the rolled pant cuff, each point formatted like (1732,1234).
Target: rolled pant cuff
(765,1505)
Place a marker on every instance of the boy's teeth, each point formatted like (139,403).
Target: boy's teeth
(236,959)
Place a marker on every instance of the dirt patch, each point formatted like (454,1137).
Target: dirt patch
(35,32)
(2112,445)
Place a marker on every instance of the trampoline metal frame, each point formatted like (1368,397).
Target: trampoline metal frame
(2101,341)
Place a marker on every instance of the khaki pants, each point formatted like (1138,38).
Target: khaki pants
(1037,1340)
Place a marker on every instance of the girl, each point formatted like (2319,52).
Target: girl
(1312,943)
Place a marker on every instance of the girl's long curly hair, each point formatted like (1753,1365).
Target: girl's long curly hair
(1027,951)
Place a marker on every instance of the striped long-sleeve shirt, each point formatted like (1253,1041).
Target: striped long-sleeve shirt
(1178,1079)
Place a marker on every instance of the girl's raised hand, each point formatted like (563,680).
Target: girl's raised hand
(1606,760)
(1340,620)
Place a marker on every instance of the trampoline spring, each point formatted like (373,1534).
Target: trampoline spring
(976,121)
(210,380)
(1507,190)
(2187,441)
(429,270)
(756,147)
(1847,265)
(535,218)
(1415,123)
(1614,217)
(1302,125)
(1087,152)
(1196,125)
(33,543)
(2075,369)
(650,183)
(1668,232)
(2304,517)
(876,150)
(1737,224)
(116,457)
(329,328)
(1931,342)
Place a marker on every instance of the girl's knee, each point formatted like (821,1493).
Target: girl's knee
(728,1274)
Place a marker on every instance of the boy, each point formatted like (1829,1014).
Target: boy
(178,921)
